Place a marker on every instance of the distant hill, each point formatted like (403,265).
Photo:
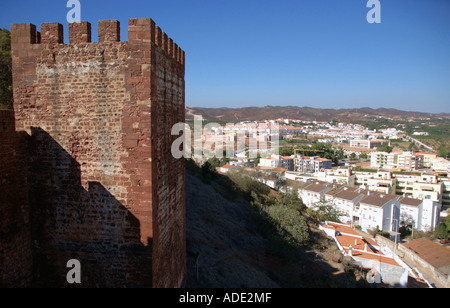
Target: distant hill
(233,115)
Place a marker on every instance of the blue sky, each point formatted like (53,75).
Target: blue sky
(317,53)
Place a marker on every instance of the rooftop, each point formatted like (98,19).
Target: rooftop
(373,256)
(227,166)
(377,199)
(322,159)
(435,254)
(349,237)
(317,186)
(348,194)
(427,153)
(410,201)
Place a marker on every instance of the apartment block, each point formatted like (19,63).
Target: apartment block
(368,143)
(379,210)
(383,160)
(311,164)
(287,162)
(338,176)
(445,193)
(270,162)
(409,161)
(313,193)
(277,161)
(425,213)
(425,186)
(428,158)
(346,200)
(381,181)
(372,205)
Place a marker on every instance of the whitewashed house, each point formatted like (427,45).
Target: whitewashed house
(346,200)
(379,210)
(314,192)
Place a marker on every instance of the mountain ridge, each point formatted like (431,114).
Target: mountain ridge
(306,113)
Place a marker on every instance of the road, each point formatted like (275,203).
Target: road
(419,143)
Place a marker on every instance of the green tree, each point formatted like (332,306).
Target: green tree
(258,158)
(292,201)
(441,231)
(6,93)
(447,221)
(209,171)
(443,151)
(340,153)
(325,211)
(287,151)
(407,224)
(385,148)
(290,224)
(280,183)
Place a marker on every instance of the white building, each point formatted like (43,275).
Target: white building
(277,161)
(270,162)
(425,213)
(383,160)
(441,164)
(379,210)
(385,266)
(346,200)
(381,181)
(313,193)
(410,161)
(287,162)
(342,176)
(410,208)
(430,215)
(311,164)
(300,176)
(368,143)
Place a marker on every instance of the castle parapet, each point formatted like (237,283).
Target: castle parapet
(140,31)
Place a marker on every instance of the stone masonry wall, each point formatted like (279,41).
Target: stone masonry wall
(15,236)
(105,187)
(168,108)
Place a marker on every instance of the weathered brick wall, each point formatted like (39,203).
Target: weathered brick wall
(98,134)
(15,236)
(168,108)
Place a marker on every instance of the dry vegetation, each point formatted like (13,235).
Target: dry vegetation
(232,245)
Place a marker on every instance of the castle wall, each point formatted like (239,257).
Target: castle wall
(167,100)
(15,230)
(105,187)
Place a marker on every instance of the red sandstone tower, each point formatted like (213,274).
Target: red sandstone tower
(103,185)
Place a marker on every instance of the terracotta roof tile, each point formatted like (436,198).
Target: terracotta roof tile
(436,255)
(410,201)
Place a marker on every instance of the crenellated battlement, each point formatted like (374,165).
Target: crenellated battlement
(140,31)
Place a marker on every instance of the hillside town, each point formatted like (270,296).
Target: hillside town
(392,189)
(420,178)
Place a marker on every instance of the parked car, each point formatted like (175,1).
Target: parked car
(444,241)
